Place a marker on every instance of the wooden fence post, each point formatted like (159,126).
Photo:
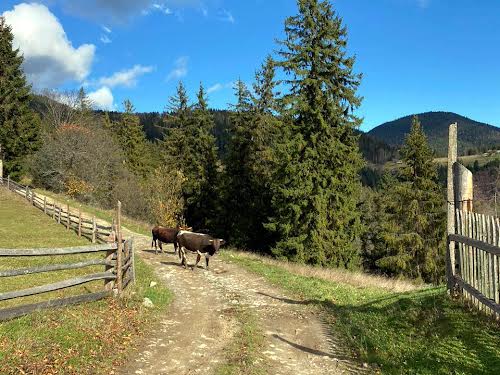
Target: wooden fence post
(79,223)
(94,229)
(120,248)
(58,214)
(8,182)
(53,210)
(26,192)
(68,219)
(32,197)
(132,255)
(45,205)
(463,187)
(450,253)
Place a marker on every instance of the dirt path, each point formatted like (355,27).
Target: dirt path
(192,335)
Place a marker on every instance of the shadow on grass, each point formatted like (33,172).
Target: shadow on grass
(420,332)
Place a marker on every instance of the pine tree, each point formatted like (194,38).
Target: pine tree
(133,141)
(201,205)
(19,125)
(189,147)
(317,186)
(415,230)
(239,189)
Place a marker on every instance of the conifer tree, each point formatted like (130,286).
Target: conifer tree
(239,189)
(201,206)
(19,125)
(189,147)
(415,230)
(317,186)
(133,141)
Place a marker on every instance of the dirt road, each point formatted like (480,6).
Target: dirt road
(195,332)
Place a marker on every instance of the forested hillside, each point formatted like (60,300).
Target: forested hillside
(473,136)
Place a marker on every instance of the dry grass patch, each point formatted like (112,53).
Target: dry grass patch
(356,279)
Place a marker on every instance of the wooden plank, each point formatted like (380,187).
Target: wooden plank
(475,243)
(58,251)
(94,229)
(120,248)
(55,267)
(15,312)
(56,286)
(479,296)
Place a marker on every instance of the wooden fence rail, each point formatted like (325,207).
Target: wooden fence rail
(117,258)
(63,215)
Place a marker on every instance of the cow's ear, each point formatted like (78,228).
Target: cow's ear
(222,242)
(210,242)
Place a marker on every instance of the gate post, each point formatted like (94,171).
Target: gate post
(450,251)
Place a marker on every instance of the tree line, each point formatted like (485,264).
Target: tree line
(288,182)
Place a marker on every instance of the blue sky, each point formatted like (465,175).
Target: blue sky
(415,55)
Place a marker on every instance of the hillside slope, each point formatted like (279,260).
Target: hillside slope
(472,135)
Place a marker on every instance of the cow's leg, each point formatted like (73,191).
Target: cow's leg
(161,247)
(183,257)
(175,249)
(198,257)
(206,261)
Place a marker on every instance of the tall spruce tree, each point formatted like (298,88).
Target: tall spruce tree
(317,186)
(239,190)
(190,147)
(19,125)
(415,230)
(133,141)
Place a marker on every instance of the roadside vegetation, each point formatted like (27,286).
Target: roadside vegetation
(400,329)
(83,339)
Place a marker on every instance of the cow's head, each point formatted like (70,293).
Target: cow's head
(217,243)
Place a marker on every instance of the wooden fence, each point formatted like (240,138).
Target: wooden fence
(89,228)
(116,255)
(473,240)
(477,250)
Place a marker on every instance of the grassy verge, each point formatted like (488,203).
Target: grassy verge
(85,339)
(242,356)
(413,332)
(100,213)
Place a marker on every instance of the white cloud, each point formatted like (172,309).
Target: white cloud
(180,68)
(220,86)
(125,78)
(105,39)
(161,8)
(106,29)
(225,15)
(102,98)
(49,57)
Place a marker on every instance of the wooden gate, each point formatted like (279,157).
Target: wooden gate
(473,240)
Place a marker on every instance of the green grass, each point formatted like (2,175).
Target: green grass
(419,332)
(84,339)
(242,354)
(100,213)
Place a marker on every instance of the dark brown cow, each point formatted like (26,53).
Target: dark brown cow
(199,243)
(166,235)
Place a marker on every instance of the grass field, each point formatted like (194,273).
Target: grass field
(420,331)
(84,339)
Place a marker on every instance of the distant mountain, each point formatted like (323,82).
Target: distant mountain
(473,136)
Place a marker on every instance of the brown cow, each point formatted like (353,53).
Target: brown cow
(166,235)
(199,243)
